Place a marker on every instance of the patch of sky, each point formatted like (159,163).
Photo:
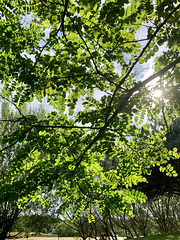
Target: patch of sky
(140,35)
(147,69)
(27,55)
(26,20)
(118,67)
(35,103)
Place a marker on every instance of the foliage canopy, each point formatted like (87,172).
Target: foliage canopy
(66,51)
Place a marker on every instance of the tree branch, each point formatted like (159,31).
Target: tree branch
(147,45)
(63,18)
(140,85)
(123,104)
(140,55)
(64,127)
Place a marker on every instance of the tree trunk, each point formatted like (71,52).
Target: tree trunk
(6,222)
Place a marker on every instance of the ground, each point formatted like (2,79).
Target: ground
(55,238)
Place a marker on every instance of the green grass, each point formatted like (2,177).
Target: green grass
(167,236)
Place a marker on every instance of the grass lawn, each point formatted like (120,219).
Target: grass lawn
(167,236)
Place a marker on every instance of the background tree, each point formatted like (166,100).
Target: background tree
(165,214)
(90,224)
(10,210)
(159,182)
(34,223)
(65,229)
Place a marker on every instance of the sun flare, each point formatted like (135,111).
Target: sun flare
(157,93)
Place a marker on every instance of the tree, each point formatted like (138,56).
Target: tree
(158,182)
(90,224)
(35,223)
(65,229)
(66,50)
(9,210)
(173,135)
(157,215)
(164,213)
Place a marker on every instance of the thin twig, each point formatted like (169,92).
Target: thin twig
(27,120)
(75,76)
(64,127)
(120,44)
(10,120)
(92,58)
(164,116)
(19,139)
